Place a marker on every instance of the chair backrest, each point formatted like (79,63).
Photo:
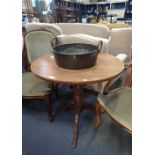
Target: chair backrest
(120,41)
(38,43)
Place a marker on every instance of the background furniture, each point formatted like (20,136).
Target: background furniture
(107,67)
(111,43)
(92,34)
(113,18)
(37,43)
(74,10)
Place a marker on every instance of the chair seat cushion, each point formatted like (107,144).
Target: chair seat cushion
(33,86)
(118,104)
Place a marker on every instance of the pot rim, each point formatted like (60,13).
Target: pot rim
(93,51)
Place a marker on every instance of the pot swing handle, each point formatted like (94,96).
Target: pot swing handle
(54,41)
(99,46)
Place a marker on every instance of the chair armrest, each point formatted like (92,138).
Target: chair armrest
(111,81)
(122,57)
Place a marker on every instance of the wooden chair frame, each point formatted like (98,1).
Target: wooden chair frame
(46,97)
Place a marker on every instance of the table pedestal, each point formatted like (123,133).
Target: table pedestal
(79,106)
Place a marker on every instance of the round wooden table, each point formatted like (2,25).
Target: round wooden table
(106,68)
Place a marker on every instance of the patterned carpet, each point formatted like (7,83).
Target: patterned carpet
(43,138)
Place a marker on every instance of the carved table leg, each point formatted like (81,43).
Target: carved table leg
(78,104)
(76,123)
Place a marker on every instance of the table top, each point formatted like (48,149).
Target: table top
(107,67)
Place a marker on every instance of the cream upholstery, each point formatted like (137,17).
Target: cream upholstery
(91,29)
(118,104)
(120,41)
(33,86)
(50,27)
(122,57)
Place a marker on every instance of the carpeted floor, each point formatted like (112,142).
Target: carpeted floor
(43,138)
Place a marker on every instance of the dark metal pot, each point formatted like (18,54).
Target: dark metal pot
(76,55)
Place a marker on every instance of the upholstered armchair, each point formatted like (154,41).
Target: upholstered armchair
(37,43)
(117,104)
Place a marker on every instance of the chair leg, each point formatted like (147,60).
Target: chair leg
(98,114)
(55,88)
(49,107)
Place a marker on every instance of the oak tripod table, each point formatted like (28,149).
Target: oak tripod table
(106,68)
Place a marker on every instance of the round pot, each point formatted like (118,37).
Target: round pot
(76,55)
